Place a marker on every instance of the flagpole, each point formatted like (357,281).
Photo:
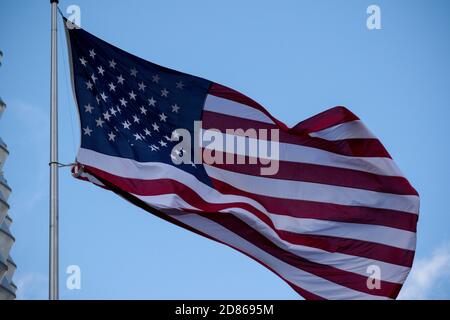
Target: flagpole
(53,228)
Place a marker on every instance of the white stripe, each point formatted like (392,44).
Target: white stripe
(91,178)
(308,191)
(128,168)
(348,130)
(349,263)
(358,231)
(236,109)
(302,154)
(365,232)
(303,279)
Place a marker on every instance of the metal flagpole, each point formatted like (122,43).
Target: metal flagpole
(53,251)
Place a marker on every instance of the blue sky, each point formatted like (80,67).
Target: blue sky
(297,58)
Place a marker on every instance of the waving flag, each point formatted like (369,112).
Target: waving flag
(336,220)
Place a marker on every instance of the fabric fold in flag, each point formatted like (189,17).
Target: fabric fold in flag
(336,219)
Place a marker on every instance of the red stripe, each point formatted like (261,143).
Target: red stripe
(323,120)
(349,147)
(352,247)
(79,177)
(307,172)
(166,186)
(221,91)
(344,278)
(326,119)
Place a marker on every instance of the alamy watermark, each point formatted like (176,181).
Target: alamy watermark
(374,280)
(373,21)
(73,281)
(73,17)
(234,146)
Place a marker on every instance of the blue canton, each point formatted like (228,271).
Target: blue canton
(130,107)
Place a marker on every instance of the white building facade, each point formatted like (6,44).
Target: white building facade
(7,265)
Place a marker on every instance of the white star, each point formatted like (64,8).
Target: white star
(147,132)
(120,79)
(88,108)
(118,109)
(143,110)
(101,70)
(106,115)
(126,124)
(123,102)
(98,99)
(162,143)
(94,78)
(167,138)
(133,72)
(164,92)
(112,136)
(92,53)
(113,111)
(175,135)
(162,117)
(99,122)
(155,126)
(132,95)
(180,85)
(137,136)
(175,108)
(153,147)
(103,96)
(87,131)
(151,102)
(135,118)
(141,86)
(83,61)
(155,78)
(112,64)
(89,84)
(112,87)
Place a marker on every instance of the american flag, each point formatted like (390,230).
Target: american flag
(336,221)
